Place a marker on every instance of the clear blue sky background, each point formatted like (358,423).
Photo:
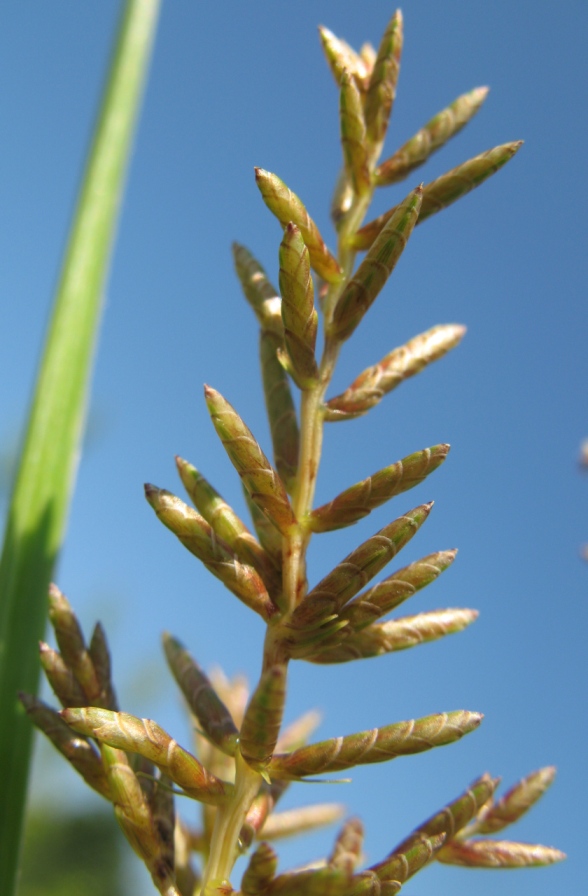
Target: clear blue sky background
(236,85)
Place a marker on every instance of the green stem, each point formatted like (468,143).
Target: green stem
(44,481)
(224,846)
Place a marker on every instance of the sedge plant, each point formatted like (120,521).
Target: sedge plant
(243,760)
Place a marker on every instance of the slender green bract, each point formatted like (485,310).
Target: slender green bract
(44,480)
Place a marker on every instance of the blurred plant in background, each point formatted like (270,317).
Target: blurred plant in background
(245,761)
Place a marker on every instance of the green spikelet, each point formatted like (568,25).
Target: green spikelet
(261,870)
(226,523)
(369,279)
(431,137)
(353,134)
(455,816)
(72,644)
(398,634)
(136,819)
(401,866)
(280,409)
(213,716)
(287,207)
(366,561)
(257,474)
(445,190)
(63,682)
(200,539)
(395,589)
(144,736)
(269,537)
(382,86)
(263,718)
(515,803)
(258,291)
(370,386)
(359,500)
(341,58)
(298,312)
(347,851)
(376,745)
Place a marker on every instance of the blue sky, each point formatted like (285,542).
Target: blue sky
(238,85)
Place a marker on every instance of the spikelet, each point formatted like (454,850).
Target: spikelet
(300,821)
(341,58)
(368,389)
(258,291)
(398,634)
(226,523)
(395,589)
(212,714)
(261,870)
(381,92)
(280,409)
(347,850)
(366,561)
(361,291)
(515,803)
(376,745)
(146,737)
(78,751)
(445,190)
(263,718)
(353,134)
(287,207)
(359,500)
(431,137)
(257,474)
(200,539)
(299,315)
(498,854)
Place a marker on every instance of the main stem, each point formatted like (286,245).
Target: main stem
(230,818)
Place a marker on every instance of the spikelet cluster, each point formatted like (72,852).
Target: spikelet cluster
(242,761)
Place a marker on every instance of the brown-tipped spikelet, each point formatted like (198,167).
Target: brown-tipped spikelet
(360,499)
(298,312)
(143,736)
(287,207)
(78,751)
(201,540)
(257,474)
(376,745)
(444,190)
(370,277)
(212,714)
(263,718)
(370,386)
(431,137)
